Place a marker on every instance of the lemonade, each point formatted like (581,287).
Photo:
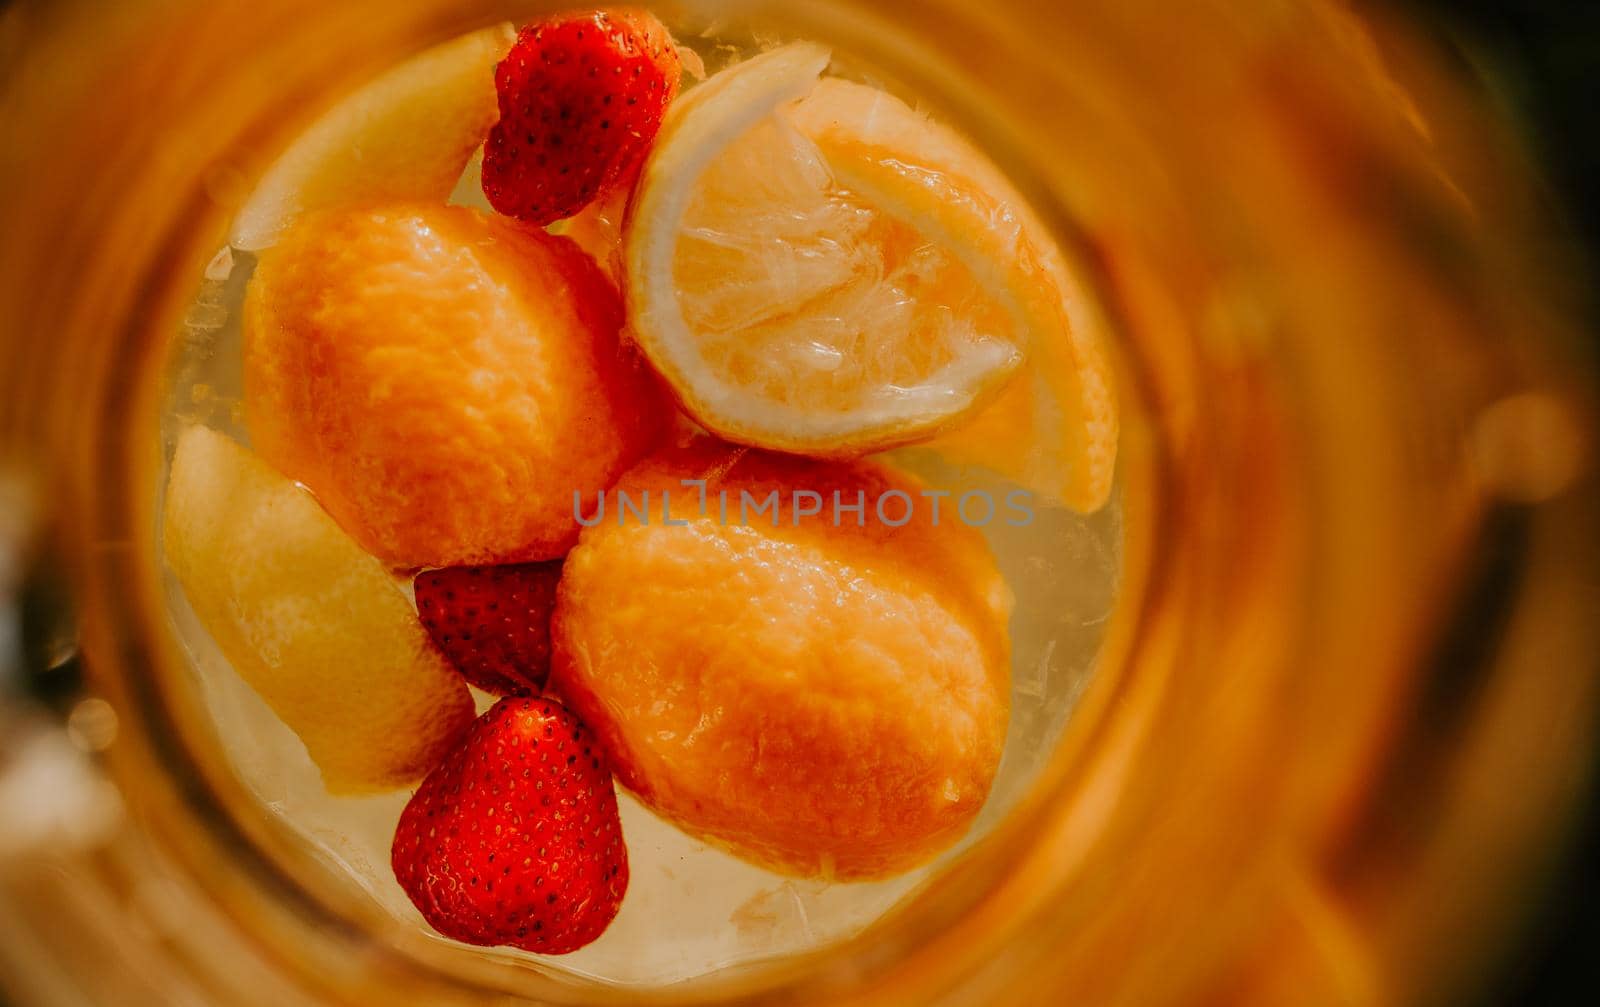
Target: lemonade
(814,698)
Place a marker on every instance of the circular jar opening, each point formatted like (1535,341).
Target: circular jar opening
(1058,567)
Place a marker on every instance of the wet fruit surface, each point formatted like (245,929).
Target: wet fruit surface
(581,98)
(492,622)
(443,380)
(316,626)
(822,699)
(514,838)
(404,136)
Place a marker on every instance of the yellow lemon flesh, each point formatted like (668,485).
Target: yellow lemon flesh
(407,135)
(816,267)
(314,624)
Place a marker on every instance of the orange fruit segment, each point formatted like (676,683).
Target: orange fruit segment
(823,700)
(1054,429)
(407,135)
(787,311)
(815,267)
(316,626)
(444,380)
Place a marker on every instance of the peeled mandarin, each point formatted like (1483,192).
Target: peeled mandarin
(820,699)
(316,626)
(444,380)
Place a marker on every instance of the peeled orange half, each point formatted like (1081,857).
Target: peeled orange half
(823,697)
(443,380)
(816,267)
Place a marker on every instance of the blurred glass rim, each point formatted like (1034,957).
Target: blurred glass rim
(121,637)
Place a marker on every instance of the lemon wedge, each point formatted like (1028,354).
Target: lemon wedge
(316,626)
(407,135)
(815,267)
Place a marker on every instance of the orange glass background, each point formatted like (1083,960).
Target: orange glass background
(1349,692)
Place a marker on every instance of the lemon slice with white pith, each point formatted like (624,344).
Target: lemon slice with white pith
(816,267)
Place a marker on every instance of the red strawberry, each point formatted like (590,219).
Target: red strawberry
(514,838)
(581,98)
(492,622)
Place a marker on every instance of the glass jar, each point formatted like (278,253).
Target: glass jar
(1348,691)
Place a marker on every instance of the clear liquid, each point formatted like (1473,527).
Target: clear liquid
(690,909)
